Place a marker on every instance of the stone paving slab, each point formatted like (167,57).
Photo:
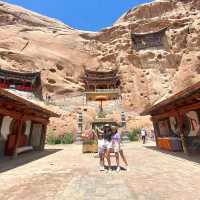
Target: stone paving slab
(64,173)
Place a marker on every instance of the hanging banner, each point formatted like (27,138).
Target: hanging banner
(164,128)
(194,123)
(174,125)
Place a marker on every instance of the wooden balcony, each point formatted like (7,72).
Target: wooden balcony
(103,94)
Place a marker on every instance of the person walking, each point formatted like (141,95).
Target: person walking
(143,134)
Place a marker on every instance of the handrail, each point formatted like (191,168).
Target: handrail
(107,90)
(104,90)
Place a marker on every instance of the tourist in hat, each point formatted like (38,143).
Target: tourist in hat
(116,141)
(108,144)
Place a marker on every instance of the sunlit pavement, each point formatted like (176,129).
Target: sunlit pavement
(63,172)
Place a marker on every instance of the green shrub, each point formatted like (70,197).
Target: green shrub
(52,139)
(134,134)
(67,138)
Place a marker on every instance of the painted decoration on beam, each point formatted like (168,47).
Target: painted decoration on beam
(192,123)
(28,128)
(174,125)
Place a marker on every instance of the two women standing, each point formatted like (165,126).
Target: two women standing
(109,141)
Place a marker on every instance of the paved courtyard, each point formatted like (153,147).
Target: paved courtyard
(64,173)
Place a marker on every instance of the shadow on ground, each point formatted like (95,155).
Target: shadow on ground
(8,163)
(114,168)
(192,157)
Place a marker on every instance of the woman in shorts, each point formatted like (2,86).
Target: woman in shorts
(116,143)
(108,143)
(101,149)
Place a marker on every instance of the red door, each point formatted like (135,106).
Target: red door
(12,137)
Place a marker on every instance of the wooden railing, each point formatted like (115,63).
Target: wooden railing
(104,91)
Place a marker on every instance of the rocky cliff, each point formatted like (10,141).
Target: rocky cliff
(31,42)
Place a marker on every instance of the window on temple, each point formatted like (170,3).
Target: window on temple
(148,40)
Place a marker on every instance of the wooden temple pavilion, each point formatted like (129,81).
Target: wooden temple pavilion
(23,124)
(101,85)
(101,80)
(176,121)
(22,81)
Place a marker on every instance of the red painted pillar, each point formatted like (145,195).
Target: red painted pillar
(182,132)
(18,135)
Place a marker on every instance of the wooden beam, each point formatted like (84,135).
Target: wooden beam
(182,133)
(191,107)
(39,114)
(11,113)
(36,119)
(155,133)
(18,135)
(43,138)
(182,109)
(164,115)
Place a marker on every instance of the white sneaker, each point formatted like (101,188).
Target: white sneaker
(118,169)
(101,168)
(127,168)
(109,170)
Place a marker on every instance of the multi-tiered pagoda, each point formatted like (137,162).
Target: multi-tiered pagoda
(101,85)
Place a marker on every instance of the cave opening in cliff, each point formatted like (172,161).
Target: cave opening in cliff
(148,39)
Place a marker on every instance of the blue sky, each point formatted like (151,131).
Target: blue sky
(90,15)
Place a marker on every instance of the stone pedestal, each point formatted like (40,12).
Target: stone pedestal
(125,138)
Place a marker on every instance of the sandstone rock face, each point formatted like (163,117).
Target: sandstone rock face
(156,72)
(31,42)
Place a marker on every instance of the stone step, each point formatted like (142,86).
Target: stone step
(78,142)
(125,138)
(78,139)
